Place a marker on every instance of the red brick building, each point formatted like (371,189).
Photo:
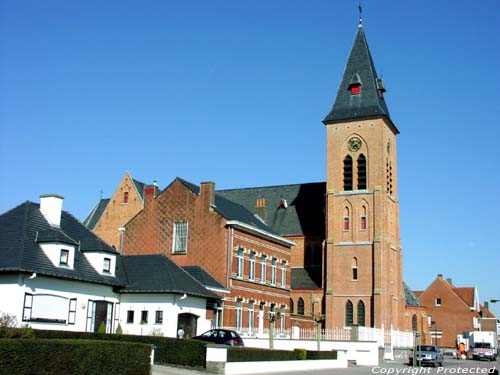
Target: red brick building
(337,241)
(195,226)
(452,310)
(110,215)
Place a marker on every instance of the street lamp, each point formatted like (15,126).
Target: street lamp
(433,322)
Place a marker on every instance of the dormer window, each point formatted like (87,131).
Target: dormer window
(355,84)
(64,258)
(355,89)
(106,265)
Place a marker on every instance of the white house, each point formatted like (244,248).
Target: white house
(56,274)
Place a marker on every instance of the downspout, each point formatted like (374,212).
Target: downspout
(230,232)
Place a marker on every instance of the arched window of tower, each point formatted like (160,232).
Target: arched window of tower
(348,173)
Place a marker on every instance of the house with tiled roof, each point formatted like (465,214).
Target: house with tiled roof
(221,243)
(56,274)
(452,310)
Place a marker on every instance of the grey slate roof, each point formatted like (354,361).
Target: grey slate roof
(232,210)
(203,277)
(140,188)
(94,216)
(410,298)
(305,211)
(359,69)
(24,227)
(158,274)
(306,278)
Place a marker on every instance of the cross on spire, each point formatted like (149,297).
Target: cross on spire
(360,11)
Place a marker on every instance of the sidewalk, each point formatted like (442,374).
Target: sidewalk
(171,370)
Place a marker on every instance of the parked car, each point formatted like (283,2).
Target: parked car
(428,355)
(221,336)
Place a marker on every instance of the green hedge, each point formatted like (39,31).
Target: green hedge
(313,354)
(89,357)
(236,354)
(168,350)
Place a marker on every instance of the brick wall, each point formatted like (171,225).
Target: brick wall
(123,205)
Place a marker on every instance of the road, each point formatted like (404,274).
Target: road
(451,366)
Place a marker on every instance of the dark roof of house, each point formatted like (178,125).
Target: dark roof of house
(96,213)
(232,210)
(23,228)
(303,214)
(410,298)
(359,69)
(158,274)
(203,277)
(140,188)
(306,278)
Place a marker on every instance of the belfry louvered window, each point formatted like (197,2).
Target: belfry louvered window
(361,172)
(348,173)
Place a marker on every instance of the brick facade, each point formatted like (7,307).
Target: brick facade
(125,203)
(223,248)
(364,264)
(454,310)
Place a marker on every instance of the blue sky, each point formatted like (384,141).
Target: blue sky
(235,91)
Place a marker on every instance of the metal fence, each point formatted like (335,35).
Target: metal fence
(385,338)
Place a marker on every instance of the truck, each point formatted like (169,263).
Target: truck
(483,345)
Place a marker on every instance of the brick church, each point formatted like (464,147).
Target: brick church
(325,252)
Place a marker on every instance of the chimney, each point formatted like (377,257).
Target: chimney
(208,194)
(150,192)
(260,208)
(449,281)
(440,276)
(51,208)
(486,305)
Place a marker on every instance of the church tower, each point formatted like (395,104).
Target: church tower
(364,283)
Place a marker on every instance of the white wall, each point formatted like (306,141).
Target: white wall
(171,304)
(13,289)
(365,353)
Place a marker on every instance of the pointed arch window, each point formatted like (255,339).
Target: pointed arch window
(347,220)
(348,314)
(291,306)
(300,306)
(364,221)
(361,313)
(354,269)
(361,172)
(414,323)
(347,173)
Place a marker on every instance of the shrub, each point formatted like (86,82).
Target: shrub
(73,357)
(314,354)
(7,320)
(235,354)
(102,328)
(119,329)
(300,354)
(168,350)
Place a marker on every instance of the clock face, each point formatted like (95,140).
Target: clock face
(354,144)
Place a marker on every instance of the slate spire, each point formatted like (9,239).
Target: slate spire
(361,91)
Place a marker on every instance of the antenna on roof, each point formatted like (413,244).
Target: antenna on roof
(100,192)
(360,18)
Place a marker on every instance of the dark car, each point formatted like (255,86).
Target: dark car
(221,336)
(428,355)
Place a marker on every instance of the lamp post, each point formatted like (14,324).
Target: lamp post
(433,322)
(272,317)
